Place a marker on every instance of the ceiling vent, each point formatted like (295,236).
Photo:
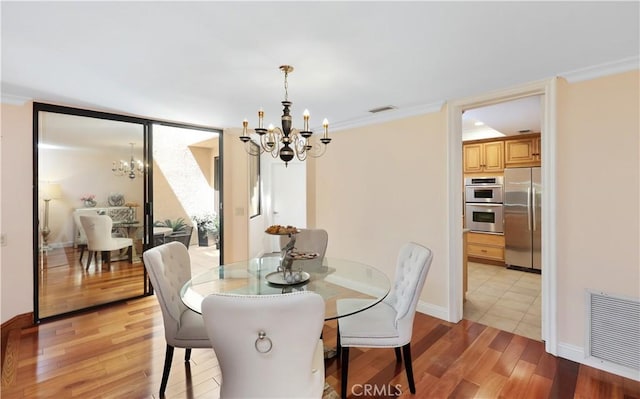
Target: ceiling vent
(382,109)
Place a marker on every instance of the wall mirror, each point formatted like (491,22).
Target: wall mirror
(88,163)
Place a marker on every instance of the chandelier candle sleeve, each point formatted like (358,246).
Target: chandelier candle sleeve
(306,119)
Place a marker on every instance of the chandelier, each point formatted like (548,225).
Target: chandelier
(132,168)
(285,142)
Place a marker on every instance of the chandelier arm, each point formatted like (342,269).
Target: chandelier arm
(317,150)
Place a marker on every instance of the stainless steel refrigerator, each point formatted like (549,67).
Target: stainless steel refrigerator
(522,217)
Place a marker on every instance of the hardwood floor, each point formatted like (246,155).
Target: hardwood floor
(118,352)
(65,285)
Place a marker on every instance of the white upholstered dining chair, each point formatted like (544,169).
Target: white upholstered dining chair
(169,268)
(388,324)
(309,240)
(98,231)
(268,346)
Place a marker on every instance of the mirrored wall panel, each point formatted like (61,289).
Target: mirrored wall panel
(90,219)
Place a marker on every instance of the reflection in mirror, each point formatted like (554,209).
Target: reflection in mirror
(85,169)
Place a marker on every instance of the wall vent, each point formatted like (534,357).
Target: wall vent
(614,329)
(382,109)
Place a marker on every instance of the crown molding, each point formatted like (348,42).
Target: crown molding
(388,116)
(12,99)
(600,70)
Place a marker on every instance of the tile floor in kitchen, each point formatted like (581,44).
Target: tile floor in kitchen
(509,300)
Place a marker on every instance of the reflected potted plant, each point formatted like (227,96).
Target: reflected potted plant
(207,229)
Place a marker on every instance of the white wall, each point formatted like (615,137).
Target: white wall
(598,147)
(16,257)
(380,186)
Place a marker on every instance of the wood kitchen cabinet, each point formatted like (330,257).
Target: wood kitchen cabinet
(483,157)
(485,246)
(523,151)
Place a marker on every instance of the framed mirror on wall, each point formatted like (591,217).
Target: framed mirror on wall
(87,163)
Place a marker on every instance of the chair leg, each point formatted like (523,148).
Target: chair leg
(398,354)
(168,358)
(406,351)
(106,258)
(82,248)
(187,354)
(338,345)
(130,254)
(91,254)
(345,371)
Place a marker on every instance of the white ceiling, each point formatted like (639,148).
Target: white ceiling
(216,63)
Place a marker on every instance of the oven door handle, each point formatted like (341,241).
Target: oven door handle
(494,205)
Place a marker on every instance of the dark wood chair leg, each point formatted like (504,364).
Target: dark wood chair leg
(398,354)
(406,351)
(345,371)
(338,346)
(187,354)
(168,358)
(91,254)
(130,254)
(82,248)
(106,258)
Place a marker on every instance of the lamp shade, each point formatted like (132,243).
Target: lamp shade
(51,191)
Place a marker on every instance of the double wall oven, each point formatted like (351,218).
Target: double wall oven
(483,204)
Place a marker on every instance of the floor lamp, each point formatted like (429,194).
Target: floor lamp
(49,191)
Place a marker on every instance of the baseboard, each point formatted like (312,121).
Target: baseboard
(433,310)
(577,354)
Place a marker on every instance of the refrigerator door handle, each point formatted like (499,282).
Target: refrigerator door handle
(529,207)
(533,208)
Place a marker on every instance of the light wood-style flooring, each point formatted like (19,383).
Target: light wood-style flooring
(118,352)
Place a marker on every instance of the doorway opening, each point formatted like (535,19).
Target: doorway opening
(501,142)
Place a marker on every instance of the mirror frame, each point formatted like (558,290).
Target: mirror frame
(147,210)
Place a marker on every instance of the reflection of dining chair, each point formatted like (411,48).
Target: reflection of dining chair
(81,237)
(388,324)
(183,236)
(309,240)
(268,346)
(169,268)
(99,239)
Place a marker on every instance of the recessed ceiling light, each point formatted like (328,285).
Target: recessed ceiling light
(478,123)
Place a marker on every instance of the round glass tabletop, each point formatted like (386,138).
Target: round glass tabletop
(332,278)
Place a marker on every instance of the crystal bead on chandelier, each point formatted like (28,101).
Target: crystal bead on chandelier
(132,168)
(285,142)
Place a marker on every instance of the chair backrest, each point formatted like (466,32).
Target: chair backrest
(280,365)
(82,236)
(412,267)
(169,268)
(98,231)
(309,240)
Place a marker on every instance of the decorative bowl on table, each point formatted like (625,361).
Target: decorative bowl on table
(280,230)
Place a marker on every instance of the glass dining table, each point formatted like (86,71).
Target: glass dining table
(332,278)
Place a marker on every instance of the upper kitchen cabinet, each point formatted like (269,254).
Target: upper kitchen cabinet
(483,157)
(523,151)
